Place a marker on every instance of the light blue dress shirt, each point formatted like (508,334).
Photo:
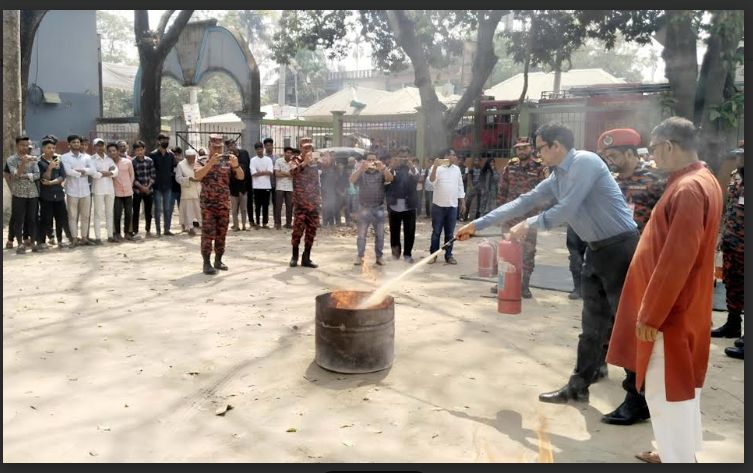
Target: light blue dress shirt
(580,192)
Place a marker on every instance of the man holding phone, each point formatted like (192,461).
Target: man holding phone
(307,198)
(215,201)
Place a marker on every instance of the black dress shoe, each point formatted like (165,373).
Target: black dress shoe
(564,395)
(525,293)
(625,415)
(728,330)
(735,352)
(739,343)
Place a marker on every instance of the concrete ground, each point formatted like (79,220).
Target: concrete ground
(126,352)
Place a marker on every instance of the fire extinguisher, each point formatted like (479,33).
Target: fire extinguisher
(510,267)
(487,259)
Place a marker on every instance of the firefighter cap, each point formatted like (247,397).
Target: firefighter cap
(522,141)
(618,137)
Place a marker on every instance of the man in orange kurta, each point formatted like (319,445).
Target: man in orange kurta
(662,325)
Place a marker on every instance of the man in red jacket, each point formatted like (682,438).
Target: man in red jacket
(661,328)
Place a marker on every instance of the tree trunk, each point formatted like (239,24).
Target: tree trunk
(29,24)
(405,35)
(681,63)
(483,65)
(557,74)
(150,106)
(154,46)
(717,67)
(11,93)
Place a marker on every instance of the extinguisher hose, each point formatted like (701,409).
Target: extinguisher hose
(449,242)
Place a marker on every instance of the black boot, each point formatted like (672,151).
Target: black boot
(218,264)
(525,292)
(306,258)
(294,259)
(602,372)
(627,414)
(208,269)
(731,329)
(737,351)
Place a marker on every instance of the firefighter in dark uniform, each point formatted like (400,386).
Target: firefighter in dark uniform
(732,246)
(521,175)
(307,198)
(642,187)
(215,201)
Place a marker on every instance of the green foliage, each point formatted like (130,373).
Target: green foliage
(117,39)
(729,112)
(117,103)
(440,33)
(551,37)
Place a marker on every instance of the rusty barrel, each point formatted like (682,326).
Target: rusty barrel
(351,340)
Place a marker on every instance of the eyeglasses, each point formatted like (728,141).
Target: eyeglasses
(651,148)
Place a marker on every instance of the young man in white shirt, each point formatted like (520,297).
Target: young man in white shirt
(190,190)
(284,191)
(78,168)
(449,193)
(262,169)
(103,189)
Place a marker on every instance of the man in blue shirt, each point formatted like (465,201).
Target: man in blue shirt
(580,192)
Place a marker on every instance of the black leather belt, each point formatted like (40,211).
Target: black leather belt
(597,245)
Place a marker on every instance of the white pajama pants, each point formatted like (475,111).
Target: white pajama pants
(79,208)
(676,425)
(104,206)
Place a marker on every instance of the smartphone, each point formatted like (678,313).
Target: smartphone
(442,162)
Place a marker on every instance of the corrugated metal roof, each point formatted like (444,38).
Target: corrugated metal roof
(539,82)
(403,101)
(342,101)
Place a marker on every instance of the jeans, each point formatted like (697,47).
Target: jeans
(443,218)
(366,217)
(123,204)
(406,219)
(25,211)
(162,207)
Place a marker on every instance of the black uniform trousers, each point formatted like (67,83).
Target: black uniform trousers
(605,266)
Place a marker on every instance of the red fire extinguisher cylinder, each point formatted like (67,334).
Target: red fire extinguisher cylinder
(509,277)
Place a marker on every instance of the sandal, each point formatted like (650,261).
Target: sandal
(649,457)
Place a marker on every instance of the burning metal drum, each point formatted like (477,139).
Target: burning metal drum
(350,339)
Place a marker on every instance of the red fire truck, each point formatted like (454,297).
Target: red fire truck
(588,111)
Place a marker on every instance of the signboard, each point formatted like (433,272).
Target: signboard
(191,113)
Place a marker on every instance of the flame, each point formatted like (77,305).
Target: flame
(545,447)
(345,299)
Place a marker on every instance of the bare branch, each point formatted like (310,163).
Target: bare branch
(483,64)
(163,22)
(171,36)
